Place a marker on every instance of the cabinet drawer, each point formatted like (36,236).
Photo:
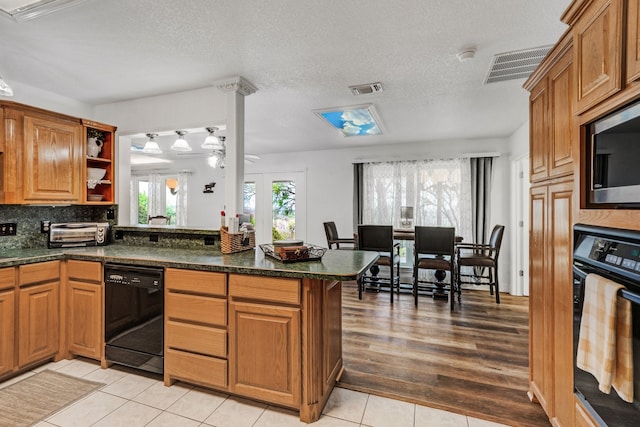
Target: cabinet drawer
(39,272)
(196,368)
(198,282)
(196,308)
(196,338)
(84,270)
(7,277)
(265,288)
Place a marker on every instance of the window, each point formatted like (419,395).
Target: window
(438,191)
(276,202)
(159,195)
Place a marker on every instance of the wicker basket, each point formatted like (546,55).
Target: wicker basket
(235,242)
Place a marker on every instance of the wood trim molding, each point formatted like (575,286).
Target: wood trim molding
(573,12)
(565,43)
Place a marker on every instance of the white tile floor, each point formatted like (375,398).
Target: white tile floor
(132,400)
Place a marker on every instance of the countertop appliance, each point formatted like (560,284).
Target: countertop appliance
(613,254)
(70,234)
(134,316)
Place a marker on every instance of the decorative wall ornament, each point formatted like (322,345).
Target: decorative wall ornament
(208,188)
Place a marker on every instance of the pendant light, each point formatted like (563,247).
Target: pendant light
(151,146)
(212,142)
(5,89)
(181,144)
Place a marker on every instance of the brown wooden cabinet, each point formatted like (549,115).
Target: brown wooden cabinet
(539,132)
(196,327)
(264,338)
(274,339)
(52,160)
(40,157)
(7,316)
(102,192)
(84,290)
(597,34)
(264,349)
(552,155)
(540,310)
(38,312)
(550,300)
(633,41)
(43,157)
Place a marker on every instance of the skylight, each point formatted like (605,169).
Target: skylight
(355,120)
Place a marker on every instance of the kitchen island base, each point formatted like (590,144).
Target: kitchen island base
(284,336)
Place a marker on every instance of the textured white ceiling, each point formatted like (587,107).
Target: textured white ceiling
(301,54)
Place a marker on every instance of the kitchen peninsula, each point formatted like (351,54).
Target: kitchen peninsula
(242,323)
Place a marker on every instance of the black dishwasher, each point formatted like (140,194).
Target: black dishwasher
(134,316)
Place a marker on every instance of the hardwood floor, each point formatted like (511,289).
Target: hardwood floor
(473,361)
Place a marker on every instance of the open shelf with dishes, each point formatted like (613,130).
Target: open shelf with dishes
(99,170)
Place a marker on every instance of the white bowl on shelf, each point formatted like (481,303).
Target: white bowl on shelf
(95,174)
(94,197)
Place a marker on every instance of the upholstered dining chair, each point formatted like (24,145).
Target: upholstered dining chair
(434,250)
(379,238)
(332,237)
(481,257)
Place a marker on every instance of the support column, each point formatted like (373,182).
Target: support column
(235,89)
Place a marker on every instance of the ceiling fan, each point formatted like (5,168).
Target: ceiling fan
(217,157)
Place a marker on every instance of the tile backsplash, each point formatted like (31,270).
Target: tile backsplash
(28,219)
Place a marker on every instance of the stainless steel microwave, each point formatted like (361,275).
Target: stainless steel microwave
(614,156)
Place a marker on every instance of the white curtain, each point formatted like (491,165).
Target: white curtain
(156,195)
(181,201)
(438,190)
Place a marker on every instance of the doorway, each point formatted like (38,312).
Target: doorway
(277,203)
(520,223)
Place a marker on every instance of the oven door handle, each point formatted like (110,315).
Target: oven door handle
(577,271)
(633,297)
(624,293)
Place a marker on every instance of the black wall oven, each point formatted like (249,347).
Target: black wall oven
(134,316)
(615,255)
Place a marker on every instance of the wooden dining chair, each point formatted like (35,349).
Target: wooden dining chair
(379,238)
(331,232)
(481,257)
(434,250)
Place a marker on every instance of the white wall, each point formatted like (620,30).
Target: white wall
(519,141)
(35,97)
(192,109)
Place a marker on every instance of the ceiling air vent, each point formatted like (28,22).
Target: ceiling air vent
(518,64)
(366,88)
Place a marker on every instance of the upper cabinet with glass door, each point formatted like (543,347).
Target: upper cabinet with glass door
(99,173)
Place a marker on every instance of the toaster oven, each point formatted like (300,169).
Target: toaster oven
(72,234)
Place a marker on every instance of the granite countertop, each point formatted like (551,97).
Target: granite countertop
(335,264)
(177,229)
